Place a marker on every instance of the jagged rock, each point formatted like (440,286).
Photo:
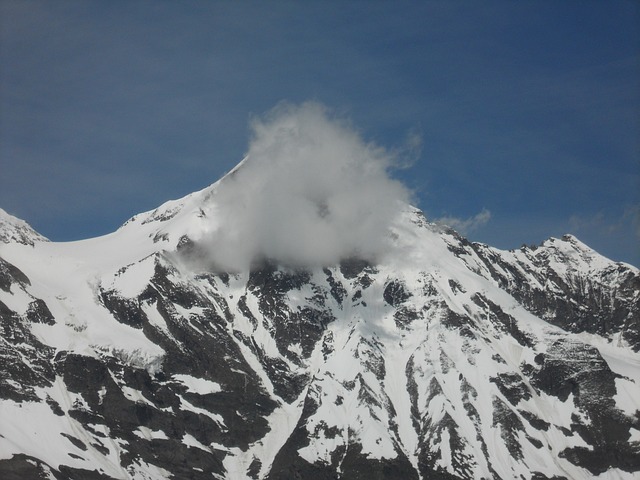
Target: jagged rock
(133,356)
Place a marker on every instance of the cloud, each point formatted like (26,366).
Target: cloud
(598,221)
(632,215)
(467,225)
(629,221)
(311,191)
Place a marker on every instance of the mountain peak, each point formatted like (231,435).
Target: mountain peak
(445,359)
(568,252)
(15,230)
(137,355)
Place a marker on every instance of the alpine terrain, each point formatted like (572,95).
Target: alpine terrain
(136,356)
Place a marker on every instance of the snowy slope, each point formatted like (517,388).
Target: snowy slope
(18,231)
(128,356)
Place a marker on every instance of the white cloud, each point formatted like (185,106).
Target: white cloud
(311,191)
(466,225)
(609,224)
(578,222)
(632,215)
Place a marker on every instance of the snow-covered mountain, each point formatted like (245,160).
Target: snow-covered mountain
(132,356)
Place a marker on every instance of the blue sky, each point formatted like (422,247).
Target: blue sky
(529,112)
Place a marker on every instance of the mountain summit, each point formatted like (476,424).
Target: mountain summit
(143,355)
(13,229)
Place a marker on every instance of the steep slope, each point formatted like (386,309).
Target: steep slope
(18,231)
(130,356)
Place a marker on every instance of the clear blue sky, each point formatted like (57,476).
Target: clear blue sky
(527,110)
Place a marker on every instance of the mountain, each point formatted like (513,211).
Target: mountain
(133,356)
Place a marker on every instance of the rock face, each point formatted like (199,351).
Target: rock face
(128,356)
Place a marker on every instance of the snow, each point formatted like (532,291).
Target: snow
(134,395)
(622,360)
(24,434)
(155,318)
(17,299)
(627,397)
(616,474)
(451,372)
(131,280)
(191,441)
(282,421)
(101,393)
(66,276)
(141,470)
(148,434)
(198,386)
(185,405)
(13,229)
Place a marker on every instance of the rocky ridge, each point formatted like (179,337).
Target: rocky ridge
(131,356)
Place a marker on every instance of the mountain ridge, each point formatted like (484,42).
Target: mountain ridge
(132,356)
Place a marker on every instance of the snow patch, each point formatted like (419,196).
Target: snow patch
(148,434)
(199,386)
(627,396)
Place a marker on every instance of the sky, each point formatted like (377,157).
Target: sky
(528,112)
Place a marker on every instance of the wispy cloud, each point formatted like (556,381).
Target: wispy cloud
(632,214)
(607,224)
(466,226)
